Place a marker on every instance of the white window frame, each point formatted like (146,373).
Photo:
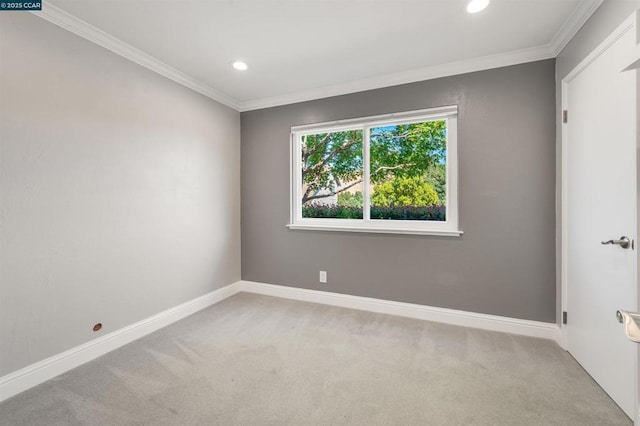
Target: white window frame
(449,227)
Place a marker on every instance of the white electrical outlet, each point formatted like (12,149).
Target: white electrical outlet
(323,277)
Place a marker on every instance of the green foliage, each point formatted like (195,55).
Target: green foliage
(347,199)
(434,213)
(331,211)
(404,191)
(329,160)
(406,150)
(332,162)
(436,176)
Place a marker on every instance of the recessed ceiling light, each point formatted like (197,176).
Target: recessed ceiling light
(475,6)
(239,65)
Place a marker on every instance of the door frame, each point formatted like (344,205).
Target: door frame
(629,24)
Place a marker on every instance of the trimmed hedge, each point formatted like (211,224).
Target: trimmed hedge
(435,213)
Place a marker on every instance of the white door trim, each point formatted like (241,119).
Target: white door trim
(630,24)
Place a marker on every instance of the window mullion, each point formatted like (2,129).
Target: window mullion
(366,211)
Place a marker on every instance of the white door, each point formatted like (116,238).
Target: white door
(600,204)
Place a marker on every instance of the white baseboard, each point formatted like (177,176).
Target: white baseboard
(49,368)
(41,371)
(522,327)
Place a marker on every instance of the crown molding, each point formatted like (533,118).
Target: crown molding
(87,31)
(569,29)
(445,70)
(572,25)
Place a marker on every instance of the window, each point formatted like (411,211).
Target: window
(395,173)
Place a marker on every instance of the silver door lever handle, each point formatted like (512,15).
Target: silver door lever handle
(623,242)
(631,324)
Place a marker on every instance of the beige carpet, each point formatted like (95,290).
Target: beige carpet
(256,360)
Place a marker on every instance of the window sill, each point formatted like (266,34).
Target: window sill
(405,231)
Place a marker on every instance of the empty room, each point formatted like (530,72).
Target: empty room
(319,212)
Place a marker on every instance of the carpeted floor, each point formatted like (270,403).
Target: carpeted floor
(256,360)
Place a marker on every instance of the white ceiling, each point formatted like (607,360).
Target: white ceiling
(305,49)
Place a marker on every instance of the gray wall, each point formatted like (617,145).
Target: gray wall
(504,264)
(606,19)
(119,190)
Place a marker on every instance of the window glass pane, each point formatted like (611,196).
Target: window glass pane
(408,171)
(332,171)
